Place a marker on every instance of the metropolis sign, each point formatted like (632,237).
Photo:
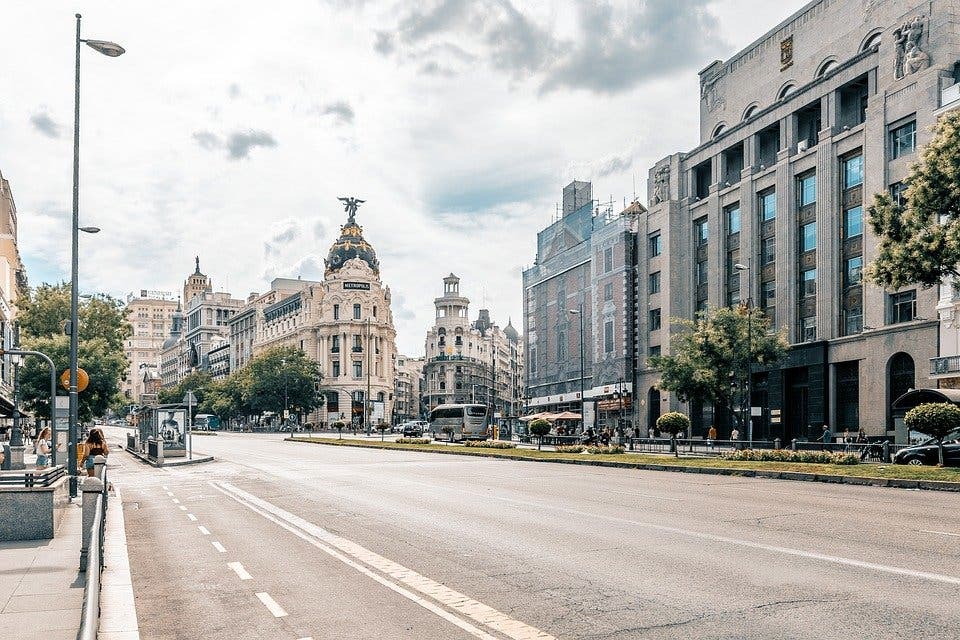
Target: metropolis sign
(365,286)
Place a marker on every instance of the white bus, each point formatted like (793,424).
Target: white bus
(468,422)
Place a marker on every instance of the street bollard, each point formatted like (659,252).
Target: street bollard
(793,444)
(886,451)
(92,489)
(99,464)
(776,443)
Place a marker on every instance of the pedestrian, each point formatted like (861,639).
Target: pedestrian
(96,445)
(636,431)
(734,437)
(846,436)
(711,436)
(41,446)
(861,436)
(827,436)
(651,433)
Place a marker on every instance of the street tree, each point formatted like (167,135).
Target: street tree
(198,382)
(45,310)
(540,427)
(674,423)
(920,237)
(227,398)
(936,419)
(712,356)
(283,377)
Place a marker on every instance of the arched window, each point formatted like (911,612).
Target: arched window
(901,374)
(381,397)
(653,407)
(826,66)
(751,111)
(718,130)
(786,90)
(871,41)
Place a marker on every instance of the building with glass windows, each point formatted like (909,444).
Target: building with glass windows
(798,131)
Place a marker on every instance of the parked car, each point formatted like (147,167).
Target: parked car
(412,429)
(926,452)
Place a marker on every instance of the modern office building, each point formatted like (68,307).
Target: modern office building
(798,131)
(579,311)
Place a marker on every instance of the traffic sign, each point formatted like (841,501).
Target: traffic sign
(82,379)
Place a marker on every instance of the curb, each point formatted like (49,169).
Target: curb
(897,483)
(177,463)
(118,609)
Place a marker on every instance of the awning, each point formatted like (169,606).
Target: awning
(916,397)
(546,415)
(567,415)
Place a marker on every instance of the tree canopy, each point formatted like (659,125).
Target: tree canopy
(711,357)
(920,239)
(936,419)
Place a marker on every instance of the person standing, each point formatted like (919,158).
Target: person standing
(96,446)
(41,446)
(827,436)
(711,436)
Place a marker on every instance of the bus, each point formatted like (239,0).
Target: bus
(468,421)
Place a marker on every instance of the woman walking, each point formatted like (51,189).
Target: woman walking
(96,446)
(41,446)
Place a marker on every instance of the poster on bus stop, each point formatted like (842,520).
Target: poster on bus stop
(172,426)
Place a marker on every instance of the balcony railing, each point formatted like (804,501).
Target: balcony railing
(949,95)
(945,365)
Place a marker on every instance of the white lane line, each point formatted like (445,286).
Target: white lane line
(204,530)
(192,517)
(165,488)
(169,493)
(272,605)
(941,533)
(175,501)
(218,546)
(182,508)
(366,562)
(239,570)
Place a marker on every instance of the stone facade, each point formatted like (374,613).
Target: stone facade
(408,389)
(150,315)
(13,280)
(798,131)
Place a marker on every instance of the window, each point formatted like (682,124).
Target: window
(356,312)
(808,237)
(768,250)
(336,312)
(374,311)
(852,171)
(733,218)
(357,369)
(853,271)
(898,194)
(335,344)
(357,343)
(808,283)
(608,336)
(654,319)
(903,140)
(608,260)
(700,232)
(768,295)
(458,341)
(336,368)
(853,222)
(852,321)
(807,189)
(768,206)
(654,282)
(808,329)
(656,245)
(702,272)
(903,306)
(561,345)
(608,292)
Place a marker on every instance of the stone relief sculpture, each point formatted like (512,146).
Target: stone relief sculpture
(661,185)
(910,57)
(708,92)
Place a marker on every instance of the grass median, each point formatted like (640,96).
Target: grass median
(640,461)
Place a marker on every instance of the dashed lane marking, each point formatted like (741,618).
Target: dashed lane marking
(175,501)
(182,508)
(272,605)
(204,530)
(369,563)
(218,546)
(165,488)
(941,533)
(240,571)
(192,517)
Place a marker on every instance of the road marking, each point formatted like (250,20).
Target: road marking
(165,488)
(182,508)
(272,605)
(192,517)
(218,546)
(366,561)
(175,501)
(239,570)
(942,533)
(203,530)
(169,493)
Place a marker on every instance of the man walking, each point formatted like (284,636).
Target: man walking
(827,437)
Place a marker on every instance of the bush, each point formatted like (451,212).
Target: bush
(785,455)
(609,449)
(413,440)
(540,427)
(489,444)
(936,419)
(571,448)
(673,423)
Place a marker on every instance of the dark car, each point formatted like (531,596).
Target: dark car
(926,453)
(412,429)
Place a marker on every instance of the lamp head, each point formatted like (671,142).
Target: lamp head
(740,267)
(107,48)
(90,229)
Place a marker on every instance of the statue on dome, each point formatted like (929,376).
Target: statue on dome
(350,206)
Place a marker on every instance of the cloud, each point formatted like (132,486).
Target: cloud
(240,143)
(384,43)
(320,230)
(286,236)
(341,110)
(45,125)
(207,140)
(613,165)
(233,90)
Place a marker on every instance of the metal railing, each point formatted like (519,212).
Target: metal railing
(29,478)
(90,616)
(945,364)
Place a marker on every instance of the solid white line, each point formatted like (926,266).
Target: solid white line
(364,558)
(204,530)
(192,517)
(272,605)
(218,546)
(942,533)
(239,570)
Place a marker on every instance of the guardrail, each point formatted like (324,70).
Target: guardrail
(90,616)
(30,478)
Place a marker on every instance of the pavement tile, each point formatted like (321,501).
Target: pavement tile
(42,620)
(37,602)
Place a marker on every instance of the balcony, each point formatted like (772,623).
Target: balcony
(949,95)
(945,366)
(357,349)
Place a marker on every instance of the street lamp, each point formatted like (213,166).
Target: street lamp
(112,50)
(368,406)
(745,268)
(583,401)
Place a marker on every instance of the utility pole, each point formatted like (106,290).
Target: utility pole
(368,406)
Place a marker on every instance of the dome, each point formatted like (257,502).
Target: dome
(350,245)
(510,332)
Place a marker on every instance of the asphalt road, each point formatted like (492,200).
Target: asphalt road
(354,543)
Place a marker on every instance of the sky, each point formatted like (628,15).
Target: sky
(228,130)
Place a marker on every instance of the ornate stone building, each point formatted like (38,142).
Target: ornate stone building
(13,280)
(150,314)
(408,389)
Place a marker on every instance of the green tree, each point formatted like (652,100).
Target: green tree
(712,355)
(283,376)
(228,398)
(198,382)
(920,241)
(44,311)
(936,419)
(673,423)
(540,427)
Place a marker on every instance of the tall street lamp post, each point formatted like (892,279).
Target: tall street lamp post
(368,406)
(746,268)
(112,50)
(583,401)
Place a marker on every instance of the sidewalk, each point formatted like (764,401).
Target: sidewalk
(41,588)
